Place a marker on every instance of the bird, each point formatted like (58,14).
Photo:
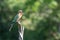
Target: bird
(16,19)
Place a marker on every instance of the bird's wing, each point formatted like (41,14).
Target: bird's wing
(15,18)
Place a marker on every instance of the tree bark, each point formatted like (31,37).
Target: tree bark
(21,31)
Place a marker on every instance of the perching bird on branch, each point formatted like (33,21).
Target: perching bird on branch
(17,19)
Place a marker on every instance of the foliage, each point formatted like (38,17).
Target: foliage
(41,19)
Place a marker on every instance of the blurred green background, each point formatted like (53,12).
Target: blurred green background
(41,19)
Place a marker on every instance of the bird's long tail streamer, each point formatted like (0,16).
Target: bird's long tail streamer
(11,26)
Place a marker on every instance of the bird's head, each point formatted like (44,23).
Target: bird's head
(20,11)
